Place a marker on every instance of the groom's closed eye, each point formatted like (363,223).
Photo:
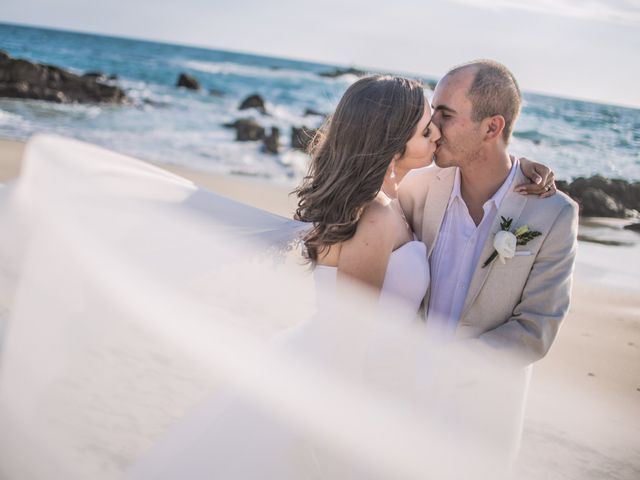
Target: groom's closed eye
(444,111)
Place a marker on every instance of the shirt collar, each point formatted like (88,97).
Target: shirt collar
(497,197)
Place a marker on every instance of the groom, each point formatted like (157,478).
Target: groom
(509,305)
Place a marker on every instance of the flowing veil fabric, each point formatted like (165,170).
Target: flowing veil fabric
(99,244)
(128,297)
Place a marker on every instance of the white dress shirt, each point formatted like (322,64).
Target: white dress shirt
(456,255)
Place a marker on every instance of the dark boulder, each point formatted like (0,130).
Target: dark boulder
(338,72)
(562,186)
(596,203)
(187,81)
(272,141)
(622,191)
(253,101)
(24,79)
(624,194)
(301,138)
(247,130)
(628,193)
(634,227)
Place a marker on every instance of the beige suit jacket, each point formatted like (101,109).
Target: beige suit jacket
(516,307)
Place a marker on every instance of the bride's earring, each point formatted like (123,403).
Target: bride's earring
(393,171)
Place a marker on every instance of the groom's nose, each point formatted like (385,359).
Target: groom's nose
(436,118)
(437,134)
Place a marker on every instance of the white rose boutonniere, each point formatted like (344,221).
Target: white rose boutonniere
(505,244)
(505,241)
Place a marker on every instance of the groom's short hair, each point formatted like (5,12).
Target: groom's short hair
(494,91)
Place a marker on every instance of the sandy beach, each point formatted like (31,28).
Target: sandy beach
(596,356)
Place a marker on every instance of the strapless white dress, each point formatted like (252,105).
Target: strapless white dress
(405,281)
(232,438)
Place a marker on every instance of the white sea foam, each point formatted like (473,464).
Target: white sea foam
(168,124)
(8,118)
(229,68)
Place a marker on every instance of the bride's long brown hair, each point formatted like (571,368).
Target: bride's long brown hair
(351,153)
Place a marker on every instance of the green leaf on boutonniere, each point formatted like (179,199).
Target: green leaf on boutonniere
(491,258)
(506,223)
(527,237)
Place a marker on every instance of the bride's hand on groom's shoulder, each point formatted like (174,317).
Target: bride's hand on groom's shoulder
(542,179)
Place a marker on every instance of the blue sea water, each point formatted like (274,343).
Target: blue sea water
(178,126)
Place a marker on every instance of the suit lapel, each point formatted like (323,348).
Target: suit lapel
(511,207)
(435,207)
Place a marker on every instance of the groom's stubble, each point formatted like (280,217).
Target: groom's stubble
(461,142)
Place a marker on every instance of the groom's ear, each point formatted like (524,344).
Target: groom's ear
(492,127)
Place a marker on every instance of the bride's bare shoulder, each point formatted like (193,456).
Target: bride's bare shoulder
(375,231)
(378,222)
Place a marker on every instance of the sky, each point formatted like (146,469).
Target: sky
(587,49)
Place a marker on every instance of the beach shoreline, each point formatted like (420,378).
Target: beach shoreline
(262,193)
(597,351)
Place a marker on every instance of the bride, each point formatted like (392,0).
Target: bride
(358,236)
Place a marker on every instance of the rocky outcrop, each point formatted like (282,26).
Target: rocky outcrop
(24,79)
(595,203)
(338,72)
(272,141)
(302,137)
(253,101)
(188,81)
(247,130)
(603,197)
(563,186)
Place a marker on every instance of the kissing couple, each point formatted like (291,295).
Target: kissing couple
(480,247)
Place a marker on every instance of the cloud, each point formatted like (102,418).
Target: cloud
(626,12)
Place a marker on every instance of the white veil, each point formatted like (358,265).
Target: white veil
(128,296)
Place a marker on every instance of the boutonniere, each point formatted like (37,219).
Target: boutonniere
(505,241)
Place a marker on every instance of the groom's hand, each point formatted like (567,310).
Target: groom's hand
(542,179)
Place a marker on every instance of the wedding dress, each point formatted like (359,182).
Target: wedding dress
(231,438)
(152,329)
(128,295)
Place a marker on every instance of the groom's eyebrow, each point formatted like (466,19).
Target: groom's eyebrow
(444,108)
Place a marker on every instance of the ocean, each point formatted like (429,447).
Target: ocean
(177,126)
